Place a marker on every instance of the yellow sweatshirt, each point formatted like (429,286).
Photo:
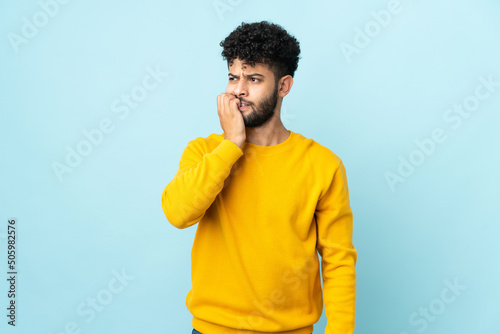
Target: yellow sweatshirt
(264,213)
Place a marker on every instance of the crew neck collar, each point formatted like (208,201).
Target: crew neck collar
(284,145)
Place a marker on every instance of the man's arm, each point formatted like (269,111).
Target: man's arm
(197,182)
(201,175)
(334,244)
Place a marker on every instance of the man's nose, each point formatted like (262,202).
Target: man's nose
(241,88)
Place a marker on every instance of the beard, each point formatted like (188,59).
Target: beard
(263,112)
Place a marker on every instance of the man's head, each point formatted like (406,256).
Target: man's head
(262,58)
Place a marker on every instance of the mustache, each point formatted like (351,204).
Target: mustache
(245,101)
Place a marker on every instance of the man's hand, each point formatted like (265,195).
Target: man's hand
(231,119)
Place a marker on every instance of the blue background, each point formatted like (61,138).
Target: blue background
(78,231)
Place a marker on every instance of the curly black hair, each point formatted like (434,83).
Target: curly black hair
(263,42)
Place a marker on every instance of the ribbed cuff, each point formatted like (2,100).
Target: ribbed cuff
(228,152)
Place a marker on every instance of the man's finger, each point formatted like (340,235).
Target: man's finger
(237,102)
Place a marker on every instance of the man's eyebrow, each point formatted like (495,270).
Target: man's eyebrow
(247,75)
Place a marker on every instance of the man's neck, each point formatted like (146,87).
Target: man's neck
(271,133)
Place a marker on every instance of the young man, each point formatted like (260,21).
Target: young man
(267,200)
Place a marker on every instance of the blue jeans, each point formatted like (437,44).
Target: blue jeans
(196,332)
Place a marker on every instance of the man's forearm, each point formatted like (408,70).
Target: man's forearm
(196,184)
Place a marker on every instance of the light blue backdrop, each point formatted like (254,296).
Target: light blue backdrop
(407,93)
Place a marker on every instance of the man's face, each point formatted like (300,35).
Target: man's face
(256,89)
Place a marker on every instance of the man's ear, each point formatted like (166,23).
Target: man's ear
(284,85)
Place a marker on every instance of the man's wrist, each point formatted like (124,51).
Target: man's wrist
(238,142)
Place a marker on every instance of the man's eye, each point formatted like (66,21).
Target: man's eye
(232,79)
(254,79)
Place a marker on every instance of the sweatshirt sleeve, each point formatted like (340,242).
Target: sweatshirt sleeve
(334,243)
(199,179)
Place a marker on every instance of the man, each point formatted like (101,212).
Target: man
(267,200)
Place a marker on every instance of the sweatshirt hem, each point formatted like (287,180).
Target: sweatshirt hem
(207,327)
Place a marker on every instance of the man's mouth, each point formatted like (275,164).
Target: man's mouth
(243,105)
